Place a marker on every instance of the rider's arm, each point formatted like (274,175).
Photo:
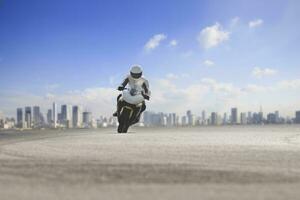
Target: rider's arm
(124,83)
(146,90)
(126,80)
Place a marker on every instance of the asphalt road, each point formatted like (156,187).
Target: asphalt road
(183,163)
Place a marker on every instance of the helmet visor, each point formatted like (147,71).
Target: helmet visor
(136,75)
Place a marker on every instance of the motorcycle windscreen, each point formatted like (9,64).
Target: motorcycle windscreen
(137,99)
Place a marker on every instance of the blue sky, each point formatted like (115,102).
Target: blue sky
(55,48)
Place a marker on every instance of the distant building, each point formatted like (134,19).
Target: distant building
(54,115)
(297,117)
(243,118)
(234,116)
(203,117)
(214,118)
(87,119)
(171,119)
(66,115)
(271,118)
(28,117)
(77,116)
(154,119)
(249,118)
(19,117)
(36,118)
(277,117)
(183,121)
(190,120)
(225,120)
(49,117)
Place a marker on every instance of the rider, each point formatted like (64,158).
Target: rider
(137,82)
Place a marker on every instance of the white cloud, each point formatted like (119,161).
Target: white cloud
(177,76)
(155,41)
(255,88)
(212,36)
(255,23)
(208,63)
(289,84)
(169,95)
(173,43)
(260,72)
(172,76)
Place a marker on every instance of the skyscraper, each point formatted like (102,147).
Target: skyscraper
(87,119)
(189,118)
(225,118)
(243,118)
(261,116)
(19,117)
(271,118)
(297,117)
(66,115)
(234,116)
(183,121)
(36,119)
(54,113)
(77,117)
(277,118)
(249,118)
(49,117)
(28,117)
(214,118)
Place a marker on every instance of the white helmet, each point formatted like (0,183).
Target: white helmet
(136,72)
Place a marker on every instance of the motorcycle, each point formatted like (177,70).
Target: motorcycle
(131,106)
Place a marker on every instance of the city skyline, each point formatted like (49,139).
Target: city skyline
(196,54)
(74,116)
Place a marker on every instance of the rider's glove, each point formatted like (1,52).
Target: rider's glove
(145,96)
(121,88)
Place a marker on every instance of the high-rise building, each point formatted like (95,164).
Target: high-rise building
(190,119)
(203,117)
(77,116)
(183,121)
(234,116)
(36,118)
(66,114)
(28,117)
(169,120)
(297,117)
(243,118)
(49,117)
(174,119)
(271,118)
(54,115)
(214,118)
(87,119)
(249,118)
(225,120)
(261,116)
(20,117)
(277,118)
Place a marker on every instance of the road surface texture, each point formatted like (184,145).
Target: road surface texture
(180,163)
